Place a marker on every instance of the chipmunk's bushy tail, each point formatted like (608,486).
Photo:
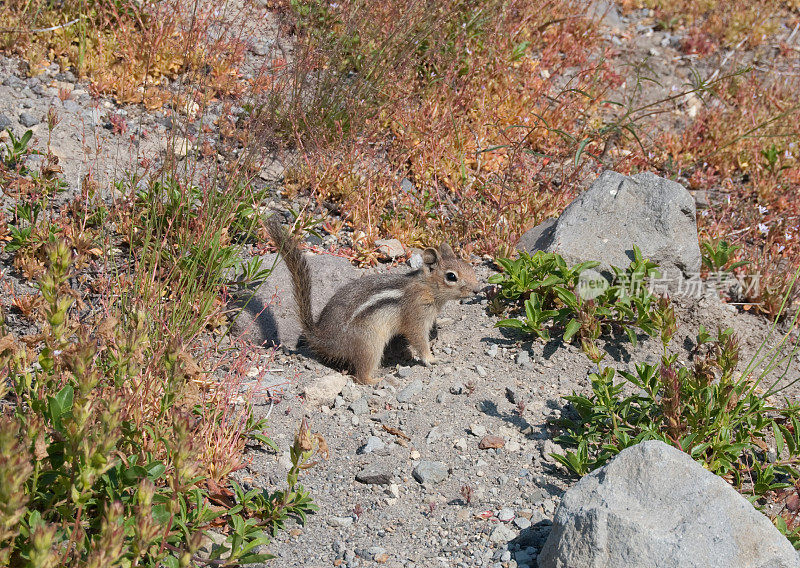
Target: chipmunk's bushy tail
(298,268)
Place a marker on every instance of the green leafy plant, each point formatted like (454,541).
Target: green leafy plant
(718,256)
(717,416)
(89,480)
(555,297)
(16,148)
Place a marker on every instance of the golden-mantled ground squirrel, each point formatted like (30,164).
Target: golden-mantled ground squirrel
(362,316)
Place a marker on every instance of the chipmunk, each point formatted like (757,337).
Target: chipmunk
(362,316)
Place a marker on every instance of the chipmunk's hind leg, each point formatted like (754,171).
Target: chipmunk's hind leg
(366,358)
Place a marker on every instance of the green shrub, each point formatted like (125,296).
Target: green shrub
(99,460)
(554,299)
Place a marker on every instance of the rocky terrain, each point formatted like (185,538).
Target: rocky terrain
(434,466)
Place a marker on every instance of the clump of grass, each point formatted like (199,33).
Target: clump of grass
(99,456)
(125,48)
(443,119)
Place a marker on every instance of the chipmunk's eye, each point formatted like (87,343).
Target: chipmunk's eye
(451,276)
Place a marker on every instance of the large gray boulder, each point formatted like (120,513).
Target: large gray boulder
(269,316)
(653,506)
(616,212)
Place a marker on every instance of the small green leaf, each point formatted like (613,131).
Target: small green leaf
(572,328)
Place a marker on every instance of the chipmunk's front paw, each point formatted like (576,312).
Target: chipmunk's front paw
(429,360)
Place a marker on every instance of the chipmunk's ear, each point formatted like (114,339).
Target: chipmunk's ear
(431,257)
(446,252)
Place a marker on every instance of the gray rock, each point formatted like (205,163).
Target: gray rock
(323,392)
(428,472)
(390,248)
(14,82)
(375,474)
(522,523)
(360,406)
(504,515)
(410,391)
(27,119)
(502,533)
(5,122)
(616,212)
(374,444)
(653,505)
(404,372)
(340,521)
(269,317)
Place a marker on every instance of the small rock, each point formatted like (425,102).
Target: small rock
(428,472)
(410,391)
(457,389)
(505,556)
(522,523)
(490,441)
(323,392)
(481,371)
(513,396)
(5,122)
(441,397)
(434,434)
(491,351)
(523,359)
(359,406)
(374,444)
(404,372)
(351,393)
(393,491)
(502,533)
(27,120)
(340,521)
(375,474)
(505,515)
(461,444)
(390,248)
(477,430)
(513,446)
(14,82)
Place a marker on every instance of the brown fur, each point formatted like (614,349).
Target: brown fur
(362,316)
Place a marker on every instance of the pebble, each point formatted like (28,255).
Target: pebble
(522,523)
(5,122)
(323,391)
(461,444)
(457,389)
(404,372)
(359,406)
(491,442)
(14,82)
(374,444)
(375,474)
(340,521)
(27,119)
(502,533)
(477,430)
(482,373)
(491,351)
(410,391)
(428,472)
(523,359)
(390,248)
(504,515)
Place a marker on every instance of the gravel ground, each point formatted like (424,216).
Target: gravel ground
(407,482)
